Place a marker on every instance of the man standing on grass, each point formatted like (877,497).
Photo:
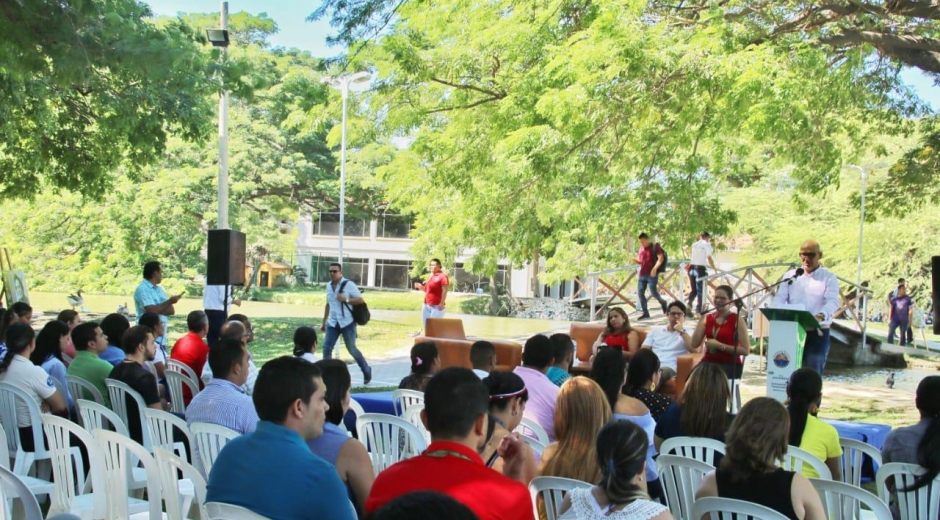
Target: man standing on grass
(435,290)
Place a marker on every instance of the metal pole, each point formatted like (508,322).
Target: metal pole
(344,87)
(223,140)
(861,237)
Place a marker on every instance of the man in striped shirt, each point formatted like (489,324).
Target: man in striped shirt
(224,401)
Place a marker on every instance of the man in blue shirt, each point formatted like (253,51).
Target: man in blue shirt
(341,295)
(149,296)
(271,471)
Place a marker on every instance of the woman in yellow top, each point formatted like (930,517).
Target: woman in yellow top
(804,391)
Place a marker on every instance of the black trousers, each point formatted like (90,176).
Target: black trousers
(216,320)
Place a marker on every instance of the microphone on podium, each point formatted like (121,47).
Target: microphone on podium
(798,273)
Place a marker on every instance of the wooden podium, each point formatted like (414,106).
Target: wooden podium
(785,346)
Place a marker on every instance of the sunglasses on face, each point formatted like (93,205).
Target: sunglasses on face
(808,255)
(334,270)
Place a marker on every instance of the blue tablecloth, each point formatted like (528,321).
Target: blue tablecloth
(375,402)
(873,434)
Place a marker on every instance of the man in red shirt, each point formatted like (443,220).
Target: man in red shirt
(435,290)
(192,348)
(651,259)
(455,412)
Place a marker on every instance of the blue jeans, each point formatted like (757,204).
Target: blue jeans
(816,349)
(649,281)
(349,339)
(698,288)
(902,333)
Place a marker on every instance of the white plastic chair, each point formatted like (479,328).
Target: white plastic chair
(82,389)
(177,504)
(680,477)
(174,383)
(357,410)
(727,509)
(70,494)
(551,490)
(413,415)
(182,368)
(853,453)
(796,458)
(12,486)
(536,446)
(118,452)
(36,485)
(23,460)
(96,416)
(382,434)
(701,449)
(220,511)
(402,399)
(209,439)
(841,501)
(920,503)
(530,428)
(161,426)
(120,392)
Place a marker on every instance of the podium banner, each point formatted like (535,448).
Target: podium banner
(785,346)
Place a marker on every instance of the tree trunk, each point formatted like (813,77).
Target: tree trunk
(494,297)
(536,293)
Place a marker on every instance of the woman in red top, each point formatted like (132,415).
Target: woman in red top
(619,334)
(716,332)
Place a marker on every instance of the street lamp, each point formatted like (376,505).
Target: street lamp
(861,236)
(219,38)
(343,83)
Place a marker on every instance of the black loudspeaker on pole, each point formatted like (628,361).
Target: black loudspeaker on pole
(225,261)
(935,292)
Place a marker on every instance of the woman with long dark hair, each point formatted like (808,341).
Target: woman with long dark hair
(425,362)
(703,407)
(508,396)
(920,443)
(621,490)
(716,333)
(804,392)
(619,334)
(48,353)
(72,319)
(643,377)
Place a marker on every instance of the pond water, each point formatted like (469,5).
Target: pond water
(904,379)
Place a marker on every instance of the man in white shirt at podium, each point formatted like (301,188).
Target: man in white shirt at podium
(817,289)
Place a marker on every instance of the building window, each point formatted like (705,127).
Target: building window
(395,226)
(392,274)
(463,281)
(327,224)
(355,269)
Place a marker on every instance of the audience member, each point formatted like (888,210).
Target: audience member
(610,372)
(305,344)
(536,360)
(16,369)
(335,446)
(563,353)
(703,407)
(507,402)
(156,324)
(671,341)
(272,471)
(23,311)
(582,411)
(72,319)
(804,392)
(620,491)
(716,335)
(483,358)
(113,326)
(619,334)
(236,330)
(48,355)
(455,404)
(8,319)
(423,505)
(248,338)
(139,346)
(89,342)
(757,443)
(224,401)
(643,378)
(150,297)
(425,362)
(192,349)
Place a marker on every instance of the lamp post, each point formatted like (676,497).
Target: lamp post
(343,83)
(219,38)
(861,236)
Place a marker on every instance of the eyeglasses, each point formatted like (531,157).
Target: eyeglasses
(808,254)
(334,270)
(677,314)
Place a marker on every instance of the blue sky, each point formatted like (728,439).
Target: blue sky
(295,31)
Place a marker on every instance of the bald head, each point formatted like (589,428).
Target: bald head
(810,253)
(234,330)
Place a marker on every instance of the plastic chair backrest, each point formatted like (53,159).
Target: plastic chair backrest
(66,465)
(919,503)
(551,490)
(9,395)
(402,399)
(853,456)
(220,511)
(530,428)
(727,508)
(170,467)
(82,389)
(680,478)
(841,501)
(118,452)
(96,416)
(701,449)
(120,392)
(11,486)
(536,446)
(796,458)
(413,415)
(175,382)
(380,434)
(358,410)
(182,368)
(209,439)
(161,427)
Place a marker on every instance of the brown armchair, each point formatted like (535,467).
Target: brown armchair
(454,346)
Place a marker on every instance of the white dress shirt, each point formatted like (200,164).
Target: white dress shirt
(701,250)
(212,296)
(818,291)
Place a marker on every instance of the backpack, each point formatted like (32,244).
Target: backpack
(360,312)
(662,268)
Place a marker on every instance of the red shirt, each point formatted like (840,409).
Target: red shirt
(434,288)
(619,341)
(723,333)
(192,350)
(459,474)
(648,256)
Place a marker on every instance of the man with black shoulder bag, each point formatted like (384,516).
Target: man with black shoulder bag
(342,296)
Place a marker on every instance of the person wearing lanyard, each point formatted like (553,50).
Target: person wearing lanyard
(717,334)
(818,291)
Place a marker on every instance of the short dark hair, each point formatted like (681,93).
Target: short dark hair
(337,264)
(67,316)
(196,320)
(677,303)
(900,280)
(151,268)
(238,317)
(453,401)
(336,377)
(561,345)
(84,333)
(705,234)
(114,326)
(304,340)
(644,235)
(537,351)
(134,337)
(928,396)
(423,505)
(481,353)
(438,260)
(280,382)
(21,309)
(224,354)
(149,319)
